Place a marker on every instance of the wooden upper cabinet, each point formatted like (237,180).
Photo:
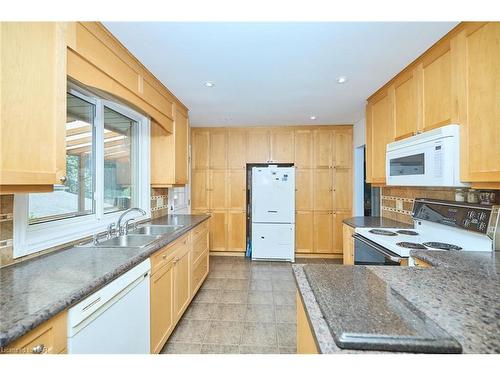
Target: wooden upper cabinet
(236,189)
(217,191)
(236,149)
(282,146)
(218,155)
(379,132)
(169,153)
(405,105)
(258,146)
(478,53)
(304,189)
(437,94)
(322,148)
(33,105)
(304,142)
(200,143)
(181,133)
(342,148)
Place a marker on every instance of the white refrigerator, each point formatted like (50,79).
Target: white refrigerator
(273,213)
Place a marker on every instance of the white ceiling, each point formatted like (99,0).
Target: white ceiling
(276,73)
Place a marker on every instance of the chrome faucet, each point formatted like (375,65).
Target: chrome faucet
(122,229)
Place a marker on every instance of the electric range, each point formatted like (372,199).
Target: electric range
(438,225)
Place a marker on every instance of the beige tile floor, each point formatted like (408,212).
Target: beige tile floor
(243,307)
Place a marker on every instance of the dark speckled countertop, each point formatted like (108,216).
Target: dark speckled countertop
(374,222)
(33,291)
(460,294)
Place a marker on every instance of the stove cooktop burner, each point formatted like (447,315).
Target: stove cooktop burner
(411,245)
(383,232)
(442,246)
(407,232)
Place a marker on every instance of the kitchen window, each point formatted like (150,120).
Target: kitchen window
(107,172)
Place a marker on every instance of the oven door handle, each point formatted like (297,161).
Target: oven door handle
(386,253)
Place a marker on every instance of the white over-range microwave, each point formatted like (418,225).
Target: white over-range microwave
(431,158)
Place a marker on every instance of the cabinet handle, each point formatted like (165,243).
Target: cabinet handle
(39,349)
(164,256)
(63,179)
(176,260)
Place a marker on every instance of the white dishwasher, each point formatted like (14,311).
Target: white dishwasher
(115,319)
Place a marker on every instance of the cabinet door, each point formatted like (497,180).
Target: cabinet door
(237,197)
(479,52)
(217,193)
(342,189)
(323,148)
(182,275)
(322,189)
(304,231)
(199,190)
(342,148)
(218,156)
(218,231)
(303,189)
(181,129)
(200,144)
(381,131)
(236,231)
(348,244)
(236,149)
(258,146)
(282,146)
(162,318)
(406,106)
(437,92)
(304,148)
(337,234)
(323,237)
(33,104)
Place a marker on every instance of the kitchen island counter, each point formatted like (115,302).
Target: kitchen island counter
(464,304)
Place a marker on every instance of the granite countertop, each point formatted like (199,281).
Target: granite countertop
(374,222)
(460,299)
(33,291)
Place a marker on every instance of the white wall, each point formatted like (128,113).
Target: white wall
(359,140)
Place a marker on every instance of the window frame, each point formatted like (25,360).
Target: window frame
(32,238)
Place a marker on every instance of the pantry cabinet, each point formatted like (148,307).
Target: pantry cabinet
(33,105)
(322,156)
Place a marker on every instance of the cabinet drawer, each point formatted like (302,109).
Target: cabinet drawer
(164,255)
(200,271)
(200,245)
(198,230)
(48,338)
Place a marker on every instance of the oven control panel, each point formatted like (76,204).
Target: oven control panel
(460,215)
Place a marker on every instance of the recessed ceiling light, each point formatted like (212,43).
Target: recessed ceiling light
(312,118)
(341,80)
(209,84)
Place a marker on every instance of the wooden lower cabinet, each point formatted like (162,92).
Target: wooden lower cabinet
(162,295)
(48,338)
(177,272)
(304,232)
(323,235)
(236,231)
(348,244)
(306,344)
(338,218)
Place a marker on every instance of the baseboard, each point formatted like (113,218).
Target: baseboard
(324,256)
(228,253)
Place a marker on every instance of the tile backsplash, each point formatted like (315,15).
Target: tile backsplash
(397,202)
(159,207)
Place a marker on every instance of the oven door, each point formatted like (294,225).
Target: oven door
(369,253)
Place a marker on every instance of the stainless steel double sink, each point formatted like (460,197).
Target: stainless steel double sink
(139,237)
